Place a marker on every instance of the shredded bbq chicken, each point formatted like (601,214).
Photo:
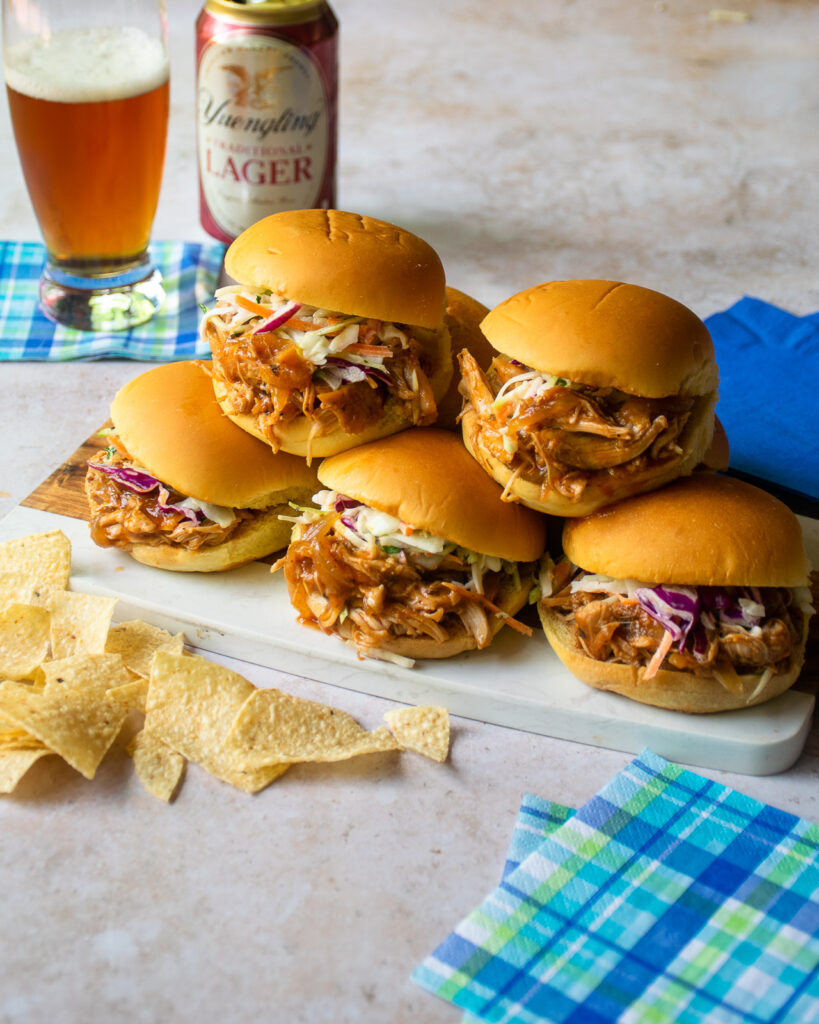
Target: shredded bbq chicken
(370,596)
(267,376)
(561,436)
(122,518)
(613,627)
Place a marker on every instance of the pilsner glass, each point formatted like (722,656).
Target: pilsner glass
(88,92)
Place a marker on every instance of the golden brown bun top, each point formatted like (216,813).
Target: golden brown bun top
(463,318)
(344,262)
(425,476)
(704,530)
(171,423)
(607,334)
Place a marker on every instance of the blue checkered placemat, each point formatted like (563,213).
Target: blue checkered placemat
(666,898)
(189,273)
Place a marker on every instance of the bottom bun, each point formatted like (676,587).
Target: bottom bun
(669,688)
(294,437)
(253,539)
(510,598)
(695,439)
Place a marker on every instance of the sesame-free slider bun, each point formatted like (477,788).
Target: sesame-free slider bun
(625,345)
(342,261)
(349,264)
(170,423)
(705,530)
(607,334)
(424,476)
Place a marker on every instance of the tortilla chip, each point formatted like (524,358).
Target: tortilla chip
(133,694)
(424,729)
(273,727)
(15,763)
(191,706)
(158,768)
(25,639)
(79,623)
(90,674)
(12,737)
(70,724)
(44,557)
(16,588)
(138,641)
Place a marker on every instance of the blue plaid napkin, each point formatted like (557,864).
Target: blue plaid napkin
(537,818)
(666,898)
(769,367)
(189,273)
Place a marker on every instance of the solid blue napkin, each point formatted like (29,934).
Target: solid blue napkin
(769,372)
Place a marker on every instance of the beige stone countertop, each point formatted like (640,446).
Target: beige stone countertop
(656,142)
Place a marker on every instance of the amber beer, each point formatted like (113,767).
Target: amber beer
(90,112)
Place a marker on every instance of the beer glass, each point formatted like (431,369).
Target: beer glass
(87,87)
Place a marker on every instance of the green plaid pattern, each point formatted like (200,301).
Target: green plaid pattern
(537,818)
(666,898)
(189,273)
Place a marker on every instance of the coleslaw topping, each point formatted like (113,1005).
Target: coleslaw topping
(365,527)
(329,340)
(139,480)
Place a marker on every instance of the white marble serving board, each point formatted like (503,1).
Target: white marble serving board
(517,682)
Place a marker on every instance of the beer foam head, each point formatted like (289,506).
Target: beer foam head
(87,65)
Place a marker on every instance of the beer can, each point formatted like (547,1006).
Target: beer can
(267,103)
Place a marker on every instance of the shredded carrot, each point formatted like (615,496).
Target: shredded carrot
(407,530)
(253,307)
(360,349)
(654,665)
(300,325)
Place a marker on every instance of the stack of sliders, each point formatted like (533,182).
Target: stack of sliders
(181,487)
(334,335)
(412,553)
(682,591)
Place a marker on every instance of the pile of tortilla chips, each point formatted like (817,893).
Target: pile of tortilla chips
(71,679)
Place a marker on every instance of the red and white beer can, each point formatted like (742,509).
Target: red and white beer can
(267,107)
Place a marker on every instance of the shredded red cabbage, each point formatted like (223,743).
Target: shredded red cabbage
(675,609)
(143,483)
(131,479)
(688,611)
(281,316)
(342,503)
(193,515)
(728,605)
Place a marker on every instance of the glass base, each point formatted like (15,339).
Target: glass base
(109,302)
